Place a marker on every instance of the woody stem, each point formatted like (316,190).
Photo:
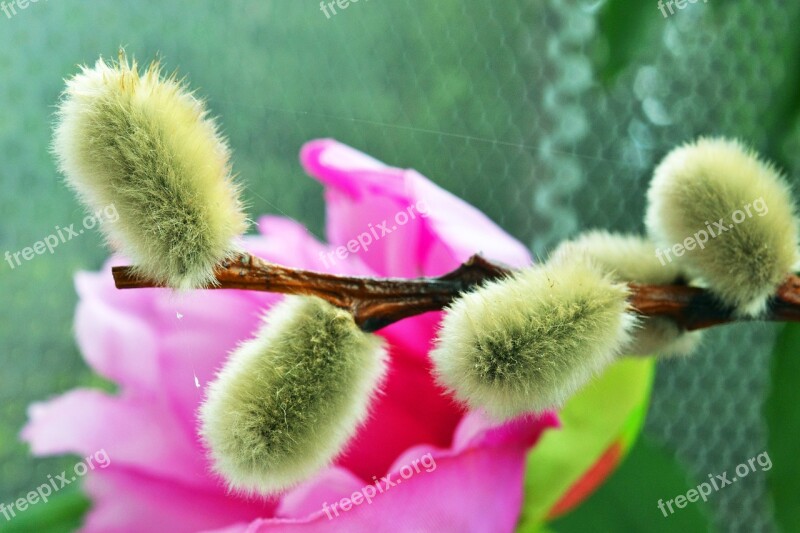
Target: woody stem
(379,302)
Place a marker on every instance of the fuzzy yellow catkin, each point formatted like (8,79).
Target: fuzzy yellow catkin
(727,218)
(528,342)
(632,259)
(142,142)
(286,403)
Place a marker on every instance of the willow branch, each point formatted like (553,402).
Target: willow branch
(378,302)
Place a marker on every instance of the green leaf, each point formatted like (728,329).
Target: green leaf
(782,414)
(608,411)
(630,29)
(628,501)
(63,513)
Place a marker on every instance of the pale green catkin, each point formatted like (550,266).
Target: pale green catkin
(527,342)
(698,190)
(287,402)
(632,259)
(144,144)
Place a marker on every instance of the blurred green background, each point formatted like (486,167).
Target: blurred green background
(548,115)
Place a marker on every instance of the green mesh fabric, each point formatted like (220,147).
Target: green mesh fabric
(548,115)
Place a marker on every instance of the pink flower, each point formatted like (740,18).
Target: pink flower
(381,221)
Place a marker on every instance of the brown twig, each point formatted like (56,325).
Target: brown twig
(379,302)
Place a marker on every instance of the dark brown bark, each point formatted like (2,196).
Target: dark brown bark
(379,302)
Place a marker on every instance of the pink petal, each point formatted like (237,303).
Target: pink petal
(411,410)
(161,343)
(127,501)
(477,488)
(194,347)
(114,341)
(135,433)
(327,486)
(159,346)
(289,243)
(427,230)
(476,429)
